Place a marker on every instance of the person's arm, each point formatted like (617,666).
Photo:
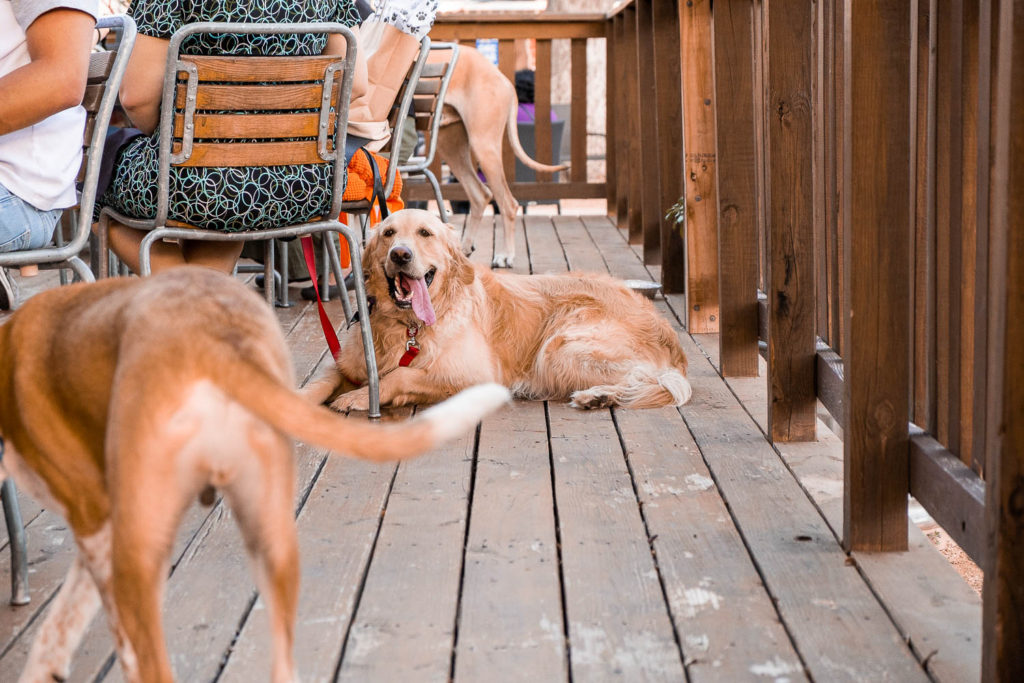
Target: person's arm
(59,43)
(143,82)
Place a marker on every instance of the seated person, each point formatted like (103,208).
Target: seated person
(229,199)
(44,64)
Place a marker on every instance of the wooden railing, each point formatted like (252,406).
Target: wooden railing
(577,29)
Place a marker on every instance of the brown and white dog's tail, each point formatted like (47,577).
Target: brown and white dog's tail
(517,147)
(292,414)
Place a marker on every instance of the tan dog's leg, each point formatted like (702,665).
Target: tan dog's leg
(59,636)
(490,164)
(402,386)
(453,147)
(262,498)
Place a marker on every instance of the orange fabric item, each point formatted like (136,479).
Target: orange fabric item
(360,181)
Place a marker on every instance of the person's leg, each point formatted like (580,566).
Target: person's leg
(23,226)
(217,255)
(125,242)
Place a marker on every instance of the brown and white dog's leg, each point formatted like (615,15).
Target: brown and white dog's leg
(262,498)
(453,147)
(505,244)
(61,632)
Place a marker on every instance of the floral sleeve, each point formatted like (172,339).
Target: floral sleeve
(156,18)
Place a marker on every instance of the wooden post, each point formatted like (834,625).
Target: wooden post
(1003,594)
(667,77)
(634,215)
(648,168)
(542,109)
(699,144)
(877,254)
(507,66)
(612,96)
(791,335)
(737,170)
(622,106)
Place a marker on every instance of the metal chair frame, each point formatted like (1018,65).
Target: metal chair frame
(158,227)
(421,165)
(61,255)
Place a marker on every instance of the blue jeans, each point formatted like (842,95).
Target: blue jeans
(23,226)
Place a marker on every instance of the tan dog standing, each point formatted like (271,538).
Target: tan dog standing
(480,108)
(584,338)
(124,400)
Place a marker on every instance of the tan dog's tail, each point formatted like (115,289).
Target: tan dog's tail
(292,414)
(517,147)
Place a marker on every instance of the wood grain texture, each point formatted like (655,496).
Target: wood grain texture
(507,66)
(618,624)
(542,109)
(1002,656)
(700,163)
(877,347)
(405,625)
(634,152)
(737,200)
(264,126)
(803,566)
(261,69)
(790,235)
(256,97)
(646,162)
(667,79)
(510,623)
(611,121)
(578,123)
(214,154)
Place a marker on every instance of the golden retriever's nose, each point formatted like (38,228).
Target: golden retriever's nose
(400,255)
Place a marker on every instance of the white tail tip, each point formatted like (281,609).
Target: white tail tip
(457,415)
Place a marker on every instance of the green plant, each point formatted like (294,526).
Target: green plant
(677,212)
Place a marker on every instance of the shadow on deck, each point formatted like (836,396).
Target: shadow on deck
(557,544)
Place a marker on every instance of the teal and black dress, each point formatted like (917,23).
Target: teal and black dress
(229,199)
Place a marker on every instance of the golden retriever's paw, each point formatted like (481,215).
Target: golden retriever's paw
(502,261)
(353,400)
(590,399)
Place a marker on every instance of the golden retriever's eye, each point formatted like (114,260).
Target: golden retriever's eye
(389,232)
(424,232)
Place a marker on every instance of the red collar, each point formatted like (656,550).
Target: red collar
(412,347)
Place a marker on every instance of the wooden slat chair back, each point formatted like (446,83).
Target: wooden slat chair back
(231,111)
(105,72)
(238,110)
(428,105)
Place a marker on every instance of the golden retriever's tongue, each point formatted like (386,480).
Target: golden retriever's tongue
(421,305)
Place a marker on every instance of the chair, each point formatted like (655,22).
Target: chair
(212,110)
(428,105)
(105,72)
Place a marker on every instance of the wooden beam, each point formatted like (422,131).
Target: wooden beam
(611,89)
(1003,594)
(950,491)
(521,191)
(699,145)
(634,215)
(544,27)
(647,160)
(667,77)
(789,28)
(877,255)
(737,171)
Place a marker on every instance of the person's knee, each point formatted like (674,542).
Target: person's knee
(23,226)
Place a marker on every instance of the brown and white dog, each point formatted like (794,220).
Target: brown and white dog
(584,338)
(124,400)
(479,110)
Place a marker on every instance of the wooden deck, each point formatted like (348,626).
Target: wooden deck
(557,545)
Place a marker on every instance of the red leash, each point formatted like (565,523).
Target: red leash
(325,321)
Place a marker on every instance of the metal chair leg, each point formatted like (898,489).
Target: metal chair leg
(16,537)
(335,261)
(282,293)
(437,194)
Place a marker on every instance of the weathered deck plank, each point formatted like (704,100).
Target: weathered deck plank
(510,624)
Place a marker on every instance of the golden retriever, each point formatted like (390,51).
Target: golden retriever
(441,323)
(122,401)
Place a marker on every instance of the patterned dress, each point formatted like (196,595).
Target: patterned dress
(229,199)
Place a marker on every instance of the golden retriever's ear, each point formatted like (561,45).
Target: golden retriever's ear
(462,270)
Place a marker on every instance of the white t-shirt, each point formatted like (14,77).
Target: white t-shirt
(39,163)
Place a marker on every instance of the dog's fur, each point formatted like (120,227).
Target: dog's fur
(480,108)
(122,401)
(587,338)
